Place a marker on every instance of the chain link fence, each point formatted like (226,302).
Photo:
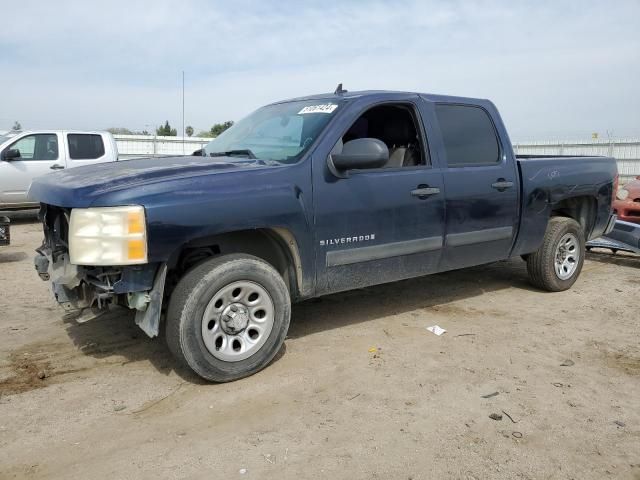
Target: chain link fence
(626,152)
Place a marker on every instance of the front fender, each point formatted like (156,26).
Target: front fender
(182,211)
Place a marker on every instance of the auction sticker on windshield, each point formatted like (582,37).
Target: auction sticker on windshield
(326,108)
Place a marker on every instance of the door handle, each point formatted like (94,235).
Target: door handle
(424,191)
(55,166)
(501,185)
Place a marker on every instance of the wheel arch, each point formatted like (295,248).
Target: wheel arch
(583,209)
(275,245)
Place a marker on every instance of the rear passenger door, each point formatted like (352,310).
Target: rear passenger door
(481,185)
(85,149)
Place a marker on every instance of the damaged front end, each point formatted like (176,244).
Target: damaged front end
(88,292)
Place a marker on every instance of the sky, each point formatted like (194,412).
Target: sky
(555,69)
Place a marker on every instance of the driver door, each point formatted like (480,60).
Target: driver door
(378,225)
(39,154)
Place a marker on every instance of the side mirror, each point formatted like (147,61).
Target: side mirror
(358,154)
(199,153)
(10,154)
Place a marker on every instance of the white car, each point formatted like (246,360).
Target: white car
(30,154)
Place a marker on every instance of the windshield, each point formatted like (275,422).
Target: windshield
(280,133)
(3,138)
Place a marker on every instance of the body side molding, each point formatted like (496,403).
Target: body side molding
(479,236)
(387,250)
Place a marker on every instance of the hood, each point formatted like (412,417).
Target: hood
(79,187)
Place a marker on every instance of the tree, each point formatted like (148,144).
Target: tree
(218,128)
(204,134)
(166,130)
(189,131)
(17,126)
(120,131)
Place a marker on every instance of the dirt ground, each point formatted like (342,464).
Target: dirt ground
(361,391)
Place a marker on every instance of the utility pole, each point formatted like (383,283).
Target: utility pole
(183,112)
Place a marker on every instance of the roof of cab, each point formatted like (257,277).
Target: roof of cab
(53,130)
(382,95)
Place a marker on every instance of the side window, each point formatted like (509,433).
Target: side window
(41,146)
(397,127)
(468,135)
(84,146)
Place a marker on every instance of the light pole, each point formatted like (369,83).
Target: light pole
(183,133)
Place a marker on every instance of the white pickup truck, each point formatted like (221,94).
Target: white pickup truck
(27,155)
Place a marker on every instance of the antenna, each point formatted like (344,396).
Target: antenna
(339,90)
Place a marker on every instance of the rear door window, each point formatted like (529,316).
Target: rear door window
(468,134)
(84,146)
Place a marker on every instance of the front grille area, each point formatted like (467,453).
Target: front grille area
(55,222)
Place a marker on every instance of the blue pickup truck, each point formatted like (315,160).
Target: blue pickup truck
(307,197)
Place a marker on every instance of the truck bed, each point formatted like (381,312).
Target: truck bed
(547,181)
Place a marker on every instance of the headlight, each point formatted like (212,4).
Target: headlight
(622,194)
(107,236)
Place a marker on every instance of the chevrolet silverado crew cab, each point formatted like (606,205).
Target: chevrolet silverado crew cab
(27,155)
(307,197)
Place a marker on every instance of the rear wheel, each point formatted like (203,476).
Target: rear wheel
(555,266)
(228,317)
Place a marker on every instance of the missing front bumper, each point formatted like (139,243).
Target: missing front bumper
(88,292)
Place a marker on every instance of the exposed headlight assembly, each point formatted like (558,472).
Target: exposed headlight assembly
(622,194)
(108,236)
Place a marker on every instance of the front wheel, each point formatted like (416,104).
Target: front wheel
(555,266)
(228,317)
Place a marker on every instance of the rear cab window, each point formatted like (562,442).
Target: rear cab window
(84,146)
(468,134)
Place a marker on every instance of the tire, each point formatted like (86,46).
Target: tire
(194,340)
(541,264)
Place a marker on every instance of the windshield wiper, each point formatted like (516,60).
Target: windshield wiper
(229,153)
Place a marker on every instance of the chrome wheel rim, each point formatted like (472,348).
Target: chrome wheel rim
(567,256)
(237,321)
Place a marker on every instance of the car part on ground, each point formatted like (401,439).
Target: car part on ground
(625,237)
